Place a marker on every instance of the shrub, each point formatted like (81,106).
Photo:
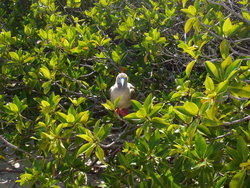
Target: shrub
(189,61)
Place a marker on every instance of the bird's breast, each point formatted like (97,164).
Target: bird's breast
(125,95)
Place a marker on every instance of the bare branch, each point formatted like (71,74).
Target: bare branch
(17,148)
(236,121)
(222,136)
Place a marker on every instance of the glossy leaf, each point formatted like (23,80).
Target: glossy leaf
(224,49)
(85,137)
(200,145)
(99,153)
(238,179)
(212,69)
(189,68)
(222,87)
(189,23)
(209,84)
(227,27)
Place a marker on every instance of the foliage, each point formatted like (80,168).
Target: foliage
(189,61)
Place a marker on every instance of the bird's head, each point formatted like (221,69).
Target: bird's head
(121,79)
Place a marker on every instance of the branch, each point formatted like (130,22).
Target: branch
(230,10)
(125,131)
(236,121)
(17,148)
(238,98)
(93,98)
(222,136)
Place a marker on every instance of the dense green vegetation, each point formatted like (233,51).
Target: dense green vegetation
(190,64)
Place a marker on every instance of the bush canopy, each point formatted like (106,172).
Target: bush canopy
(188,60)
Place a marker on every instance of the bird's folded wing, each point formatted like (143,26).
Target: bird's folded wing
(132,90)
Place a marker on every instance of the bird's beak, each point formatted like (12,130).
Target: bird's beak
(122,81)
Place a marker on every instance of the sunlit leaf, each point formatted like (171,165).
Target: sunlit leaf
(189,68)
(209,84)
(212,69)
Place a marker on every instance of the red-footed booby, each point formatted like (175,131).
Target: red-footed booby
(123,89)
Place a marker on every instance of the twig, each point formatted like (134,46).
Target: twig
(236,121)
(93,98)
(230,10)
(238,98)
(116,140)
(222,136)
(17,148)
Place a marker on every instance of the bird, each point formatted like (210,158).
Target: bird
(123,89)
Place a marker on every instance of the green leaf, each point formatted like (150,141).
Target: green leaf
(123,161)
(159,120)
(178,111)
(84,116)
(131,116)
(45,103)
(234,154)
(222,87)
(240,91)
(209,84)
(189,109)
(43,34)
(99,153)
(70,118)
(224,49)
(200,145)
(46,86)
(226,63)
(141,113)
(97,126)
(60,127)
(108,105)
(156,108)
(242,148)
(136,103)
(212,69)
(233,66)
(220,182)
(63,116)
(204,107)
(189,23)
(238,179)
(117,101)
(86,137)
(227,27)
(84,148)
(14,56)
(191,10)
(148,102)
(13,107)
(189,68)
(139,132)
(246,15)
(45,71)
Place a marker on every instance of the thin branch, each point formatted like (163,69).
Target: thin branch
(236,121)
(17,148)
(125,131)
(230,10)
(222,136)
(238,98)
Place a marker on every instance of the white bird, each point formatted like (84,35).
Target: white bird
(123,89)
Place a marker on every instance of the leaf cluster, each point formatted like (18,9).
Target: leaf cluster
(189,60)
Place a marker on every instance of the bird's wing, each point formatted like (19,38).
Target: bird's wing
(132,90)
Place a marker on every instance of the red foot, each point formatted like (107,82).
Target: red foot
(121,112)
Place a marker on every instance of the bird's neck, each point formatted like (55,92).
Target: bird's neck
(121,87)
